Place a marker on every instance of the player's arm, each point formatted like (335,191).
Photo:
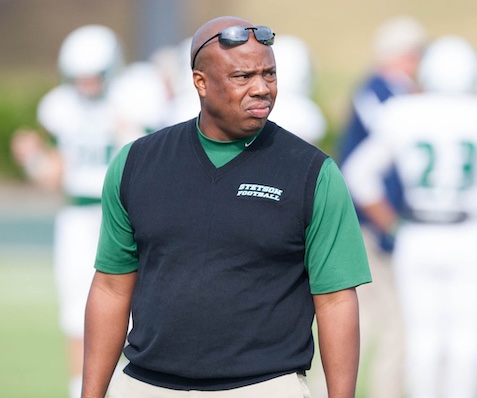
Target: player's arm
(338,331)
(106,326)
(383,215)
(364,171)
(41,162)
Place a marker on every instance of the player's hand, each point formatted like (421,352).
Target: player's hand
(26,145)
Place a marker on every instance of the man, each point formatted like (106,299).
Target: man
(431,139)
(397,46)
(214,233)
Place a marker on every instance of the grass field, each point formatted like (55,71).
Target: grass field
(33,363)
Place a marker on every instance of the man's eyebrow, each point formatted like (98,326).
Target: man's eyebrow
(254,71)
(243,71)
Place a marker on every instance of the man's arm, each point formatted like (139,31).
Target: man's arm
(337,316)
(106,325)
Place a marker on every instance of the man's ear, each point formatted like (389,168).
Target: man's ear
(199,78)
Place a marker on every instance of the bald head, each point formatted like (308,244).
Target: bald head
(211,28)
(235,76)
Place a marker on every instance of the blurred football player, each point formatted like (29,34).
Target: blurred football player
(86,124)
(431,138)
(397,46)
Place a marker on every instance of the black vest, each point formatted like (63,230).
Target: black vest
(222,294)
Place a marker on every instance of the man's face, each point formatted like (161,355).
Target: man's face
(240,90)
(89,86)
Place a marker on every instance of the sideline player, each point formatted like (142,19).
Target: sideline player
(432,140)
(397,47)
(87,126)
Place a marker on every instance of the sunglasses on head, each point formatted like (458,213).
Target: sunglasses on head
(237,35)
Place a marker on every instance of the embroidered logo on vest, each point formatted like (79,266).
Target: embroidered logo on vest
(259,191)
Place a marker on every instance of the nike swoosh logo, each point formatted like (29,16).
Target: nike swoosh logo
(247,144)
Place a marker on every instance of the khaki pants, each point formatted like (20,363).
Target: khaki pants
(288,386)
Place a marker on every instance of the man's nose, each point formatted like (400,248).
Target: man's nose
(260,86)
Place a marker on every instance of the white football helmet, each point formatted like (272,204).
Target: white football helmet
(448,65)
(90,50)
(294,65)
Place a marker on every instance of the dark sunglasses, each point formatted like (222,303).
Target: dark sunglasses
(237,35)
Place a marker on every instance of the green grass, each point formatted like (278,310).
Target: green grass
(32,354)
(21,91)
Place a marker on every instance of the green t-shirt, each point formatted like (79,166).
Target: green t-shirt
(335,256)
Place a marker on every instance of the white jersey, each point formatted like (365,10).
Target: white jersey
(432,140)
(84,131)
(89,131)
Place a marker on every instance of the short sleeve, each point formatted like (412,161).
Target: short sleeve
(117,249)
(335,255)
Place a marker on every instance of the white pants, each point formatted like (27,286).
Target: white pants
(75,243)
(382,340)
(288,386)
(436,274)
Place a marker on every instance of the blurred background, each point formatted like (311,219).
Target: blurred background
(339,33)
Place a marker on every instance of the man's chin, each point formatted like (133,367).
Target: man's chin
(256,125)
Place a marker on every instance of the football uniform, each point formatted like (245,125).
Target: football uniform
(83,130)
(431,139)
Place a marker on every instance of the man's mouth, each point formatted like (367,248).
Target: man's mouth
(259,111)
